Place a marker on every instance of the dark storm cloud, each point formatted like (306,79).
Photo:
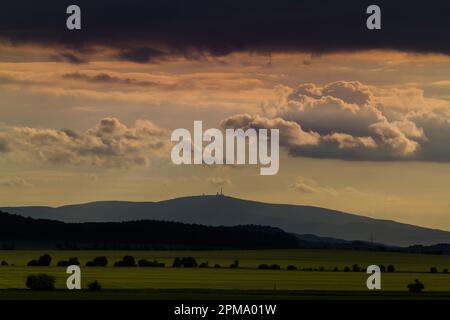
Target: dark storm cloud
(145,31)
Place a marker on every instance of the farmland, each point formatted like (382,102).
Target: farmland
(144,281)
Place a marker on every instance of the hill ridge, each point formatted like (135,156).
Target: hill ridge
(229,211)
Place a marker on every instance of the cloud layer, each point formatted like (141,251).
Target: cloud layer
(147,31)
(110,144)
(344,120)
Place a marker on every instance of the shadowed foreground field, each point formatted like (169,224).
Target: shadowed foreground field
(202,295)
(247,282)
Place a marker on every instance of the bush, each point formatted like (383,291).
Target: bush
(321,268)
(235,264)
(347,269)
(101,261)
(189,262)
(390,268)
(382,268)
(433,270)
(40,282)
(416,286)
(4,263)
(263,266)
(71,262)
(186,262)
(94,286)
(146,263)
(177,263)
(203,265)
(33,263)
(217,266)
(356,268)
(275,267)
(74,261)
(335,269)
(291,267)
(445,270)
(62,263)
(43,261)
(127,261)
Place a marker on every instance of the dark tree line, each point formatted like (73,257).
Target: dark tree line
(144,233)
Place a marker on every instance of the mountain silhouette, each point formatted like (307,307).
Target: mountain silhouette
(228,211)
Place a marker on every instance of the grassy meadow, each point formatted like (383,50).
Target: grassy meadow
(246,278)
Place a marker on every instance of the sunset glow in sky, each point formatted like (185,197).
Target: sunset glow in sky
(363,130)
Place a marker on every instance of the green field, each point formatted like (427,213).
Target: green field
(247,277)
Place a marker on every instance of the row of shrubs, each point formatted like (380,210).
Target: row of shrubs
(190,262)
(129,261)
(101,261)
(435,270)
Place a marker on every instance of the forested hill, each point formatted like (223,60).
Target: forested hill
(145,234)
(229,211)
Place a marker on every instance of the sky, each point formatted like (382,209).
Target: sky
(364,116)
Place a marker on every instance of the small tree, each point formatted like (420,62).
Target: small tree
(45,260)
(217,266)
(63,263)
(356,268)
(390,268)
(33,263)
(189,262)
(101,261)
(382,267)
(347,269)
(73,261)
(433,270)
(445,270)
(416,286)
(94,286)
(4,263)
(203,265)
(146,263)
(40,282)
(291,267)
(177,263)
(127,261)
(186,262)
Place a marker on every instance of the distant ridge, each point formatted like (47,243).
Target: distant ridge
(20,232)
(220,210)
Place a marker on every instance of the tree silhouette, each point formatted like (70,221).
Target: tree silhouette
(40,282)
(416,286)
